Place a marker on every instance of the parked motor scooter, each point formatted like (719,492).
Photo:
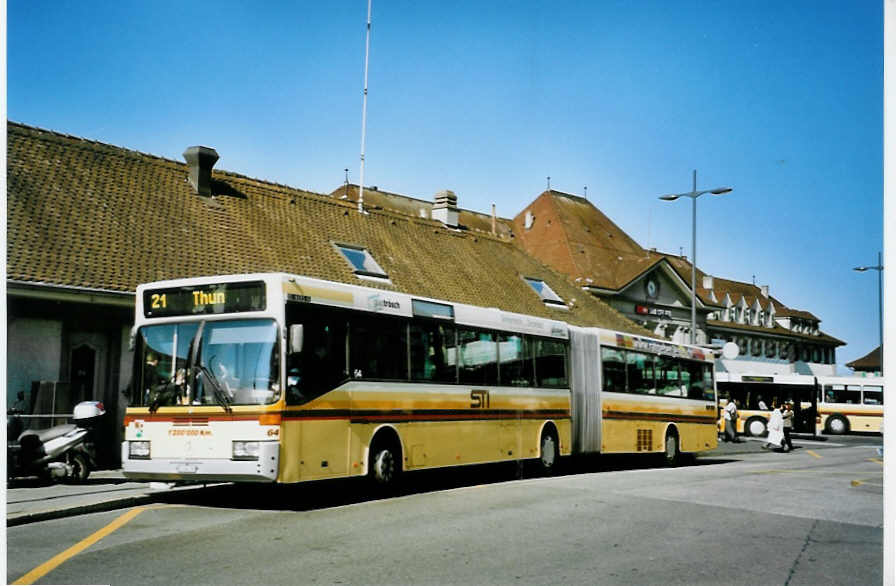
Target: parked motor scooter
(61,453)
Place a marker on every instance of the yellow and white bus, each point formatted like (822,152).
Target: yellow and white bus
(275,377)
(850,404)
(822,404)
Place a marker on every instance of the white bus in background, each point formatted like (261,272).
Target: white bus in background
(850,404)
(824,404)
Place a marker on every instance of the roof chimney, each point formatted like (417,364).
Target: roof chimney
(707,282)
(445,209)
(764,290)
(200,161)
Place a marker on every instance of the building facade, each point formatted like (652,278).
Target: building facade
(653,289)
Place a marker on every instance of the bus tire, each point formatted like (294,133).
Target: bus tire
(671,454)
(756,426)
(836,425)
(385,462)
(549,451)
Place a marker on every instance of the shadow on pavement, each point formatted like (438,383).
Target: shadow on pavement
(324,494)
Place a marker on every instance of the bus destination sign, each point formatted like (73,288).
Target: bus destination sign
(205,299)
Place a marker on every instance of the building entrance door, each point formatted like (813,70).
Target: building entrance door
(83,373)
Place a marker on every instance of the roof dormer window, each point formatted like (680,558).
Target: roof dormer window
(361,261)
(545,292)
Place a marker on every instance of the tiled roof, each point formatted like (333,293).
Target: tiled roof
(775,330)
(87,214)
(411,206)
(568,233)
(869,362)
(736,290)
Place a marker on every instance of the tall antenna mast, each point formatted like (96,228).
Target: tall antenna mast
(364,114)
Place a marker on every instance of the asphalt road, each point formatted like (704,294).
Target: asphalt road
(738,516)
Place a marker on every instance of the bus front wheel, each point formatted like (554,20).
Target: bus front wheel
(837,425)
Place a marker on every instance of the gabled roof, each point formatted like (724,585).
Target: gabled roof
(89,215)
(570,234)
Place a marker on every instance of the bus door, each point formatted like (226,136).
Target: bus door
(805,406)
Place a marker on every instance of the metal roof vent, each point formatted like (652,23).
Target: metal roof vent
(200,161)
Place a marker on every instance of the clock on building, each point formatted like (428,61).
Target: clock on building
(652,287)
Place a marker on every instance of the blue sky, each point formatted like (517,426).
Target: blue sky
(781,101)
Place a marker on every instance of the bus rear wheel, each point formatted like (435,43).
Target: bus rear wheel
(385,464)
(671,455)
(837,425)
(756,426)
(549,450)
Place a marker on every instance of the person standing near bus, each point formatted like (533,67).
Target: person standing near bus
(730,415)
(775,427)
(787,416)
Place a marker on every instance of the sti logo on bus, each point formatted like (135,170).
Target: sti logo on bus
(479,399)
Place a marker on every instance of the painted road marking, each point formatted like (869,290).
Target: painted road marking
(57,560)
(799,442)
(813,454)
(878,460)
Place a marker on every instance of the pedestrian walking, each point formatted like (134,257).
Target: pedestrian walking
(730,415)
(775,427)
(787,416)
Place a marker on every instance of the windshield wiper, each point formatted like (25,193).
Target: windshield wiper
(220,394)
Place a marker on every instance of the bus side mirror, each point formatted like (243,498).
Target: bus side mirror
(296,337)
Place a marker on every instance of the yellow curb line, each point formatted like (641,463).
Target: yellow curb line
(57,560)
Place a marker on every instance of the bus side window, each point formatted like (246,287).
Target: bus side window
(873,395)
(668,377)
(433,352)
(639,368)
(550,363)
(613,362)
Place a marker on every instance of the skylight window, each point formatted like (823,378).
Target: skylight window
(545,292)
(361,261)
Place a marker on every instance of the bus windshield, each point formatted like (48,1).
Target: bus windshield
(208,363)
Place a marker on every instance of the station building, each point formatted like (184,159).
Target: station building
(653,289)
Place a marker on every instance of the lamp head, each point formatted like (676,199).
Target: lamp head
(669,197)
(860,269)
(720,190)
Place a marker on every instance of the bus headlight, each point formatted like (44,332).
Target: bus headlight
(138,450)
(245,450)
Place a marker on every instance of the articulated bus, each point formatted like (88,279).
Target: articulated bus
(281,378)
(822,404)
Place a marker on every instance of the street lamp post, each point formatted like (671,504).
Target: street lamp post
(694,194)
(880,302)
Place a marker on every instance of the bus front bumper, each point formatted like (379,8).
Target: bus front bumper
(264,469)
